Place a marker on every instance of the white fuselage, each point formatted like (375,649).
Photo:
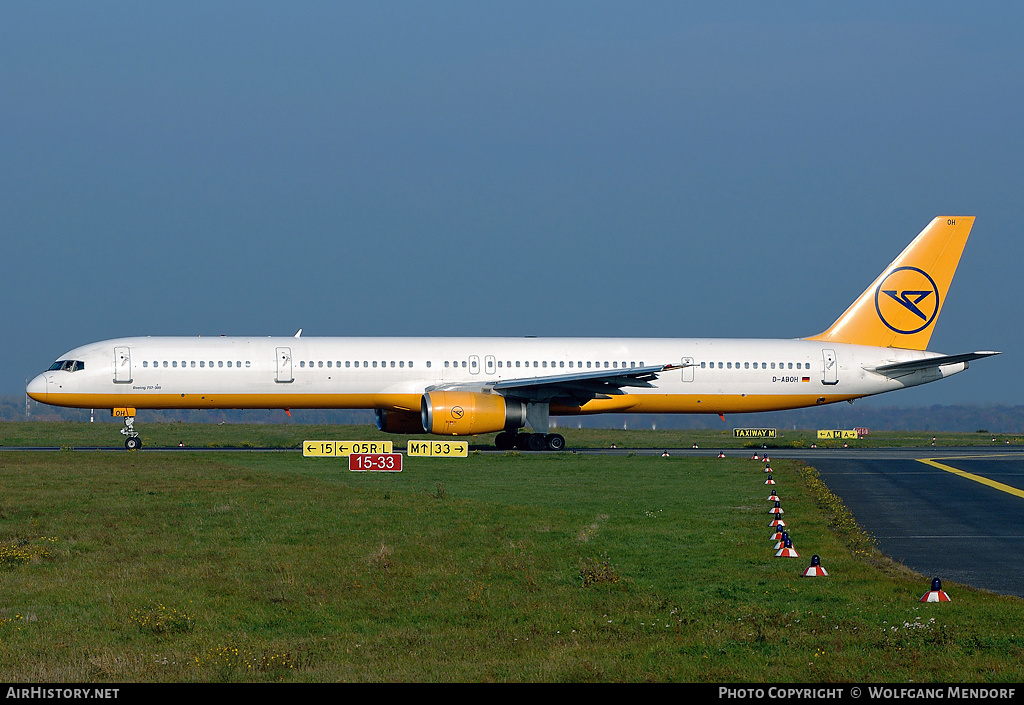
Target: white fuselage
(719,376)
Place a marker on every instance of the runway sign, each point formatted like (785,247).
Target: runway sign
(341,449)
(439,449)
(375,462)
(837,434)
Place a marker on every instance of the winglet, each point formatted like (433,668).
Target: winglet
(901,306)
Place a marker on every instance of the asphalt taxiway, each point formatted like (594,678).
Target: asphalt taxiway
(953,514)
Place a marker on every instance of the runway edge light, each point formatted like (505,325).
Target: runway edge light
(814,569)
(787,551)
(936,594)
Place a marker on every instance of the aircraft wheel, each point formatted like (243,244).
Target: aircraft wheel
(535,441)
(133,443)
(522,441)
(504,441)
(556,442)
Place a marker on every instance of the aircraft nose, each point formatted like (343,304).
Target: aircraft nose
(37,388)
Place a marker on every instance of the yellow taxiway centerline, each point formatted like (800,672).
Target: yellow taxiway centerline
(977,478)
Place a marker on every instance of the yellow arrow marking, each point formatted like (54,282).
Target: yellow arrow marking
(977,478)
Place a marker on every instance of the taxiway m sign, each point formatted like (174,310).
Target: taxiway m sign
(755,433)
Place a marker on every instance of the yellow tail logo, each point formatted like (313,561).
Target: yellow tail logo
(901,306)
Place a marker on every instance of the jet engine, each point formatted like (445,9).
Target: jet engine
(469,413)
(391,421)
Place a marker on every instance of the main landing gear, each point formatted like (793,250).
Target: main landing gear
(507,440)
(537,414)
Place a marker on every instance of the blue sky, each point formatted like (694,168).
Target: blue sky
(482,168)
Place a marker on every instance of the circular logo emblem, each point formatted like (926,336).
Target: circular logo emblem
(907,300)
(457,412)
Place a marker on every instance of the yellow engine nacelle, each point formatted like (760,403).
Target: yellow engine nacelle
(391,421)
(469,413)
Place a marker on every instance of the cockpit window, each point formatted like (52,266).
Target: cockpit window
(68,365)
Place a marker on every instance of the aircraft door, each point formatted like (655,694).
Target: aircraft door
(687,369)
(831,370)
(489,365)
(122,364)
(284,365)
(474,364)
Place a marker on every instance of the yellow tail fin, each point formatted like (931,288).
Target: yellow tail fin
(900,308)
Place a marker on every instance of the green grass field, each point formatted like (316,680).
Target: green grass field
(250,567)
(195,435)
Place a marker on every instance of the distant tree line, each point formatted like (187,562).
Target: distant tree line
(963,418)
(959,418)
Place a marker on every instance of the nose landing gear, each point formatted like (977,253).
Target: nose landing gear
(132,440)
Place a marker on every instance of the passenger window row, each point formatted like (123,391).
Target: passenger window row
(193,363)
(764,365)
(74,365)
(572,364)
(468,364)
(356,363)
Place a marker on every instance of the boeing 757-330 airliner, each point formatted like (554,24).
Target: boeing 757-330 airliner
(468,386)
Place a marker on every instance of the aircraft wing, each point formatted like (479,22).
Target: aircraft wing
(896,369)
(577,388)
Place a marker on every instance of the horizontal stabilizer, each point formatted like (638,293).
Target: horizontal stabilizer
(930,362)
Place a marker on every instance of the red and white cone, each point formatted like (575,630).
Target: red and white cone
(814,569)
(721,454)
(779,535)
(787,551)
(767,469)
(936,594)
(769,481)
(777,509)
(755,457)
(774,497)
(777,521)
(781,542)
